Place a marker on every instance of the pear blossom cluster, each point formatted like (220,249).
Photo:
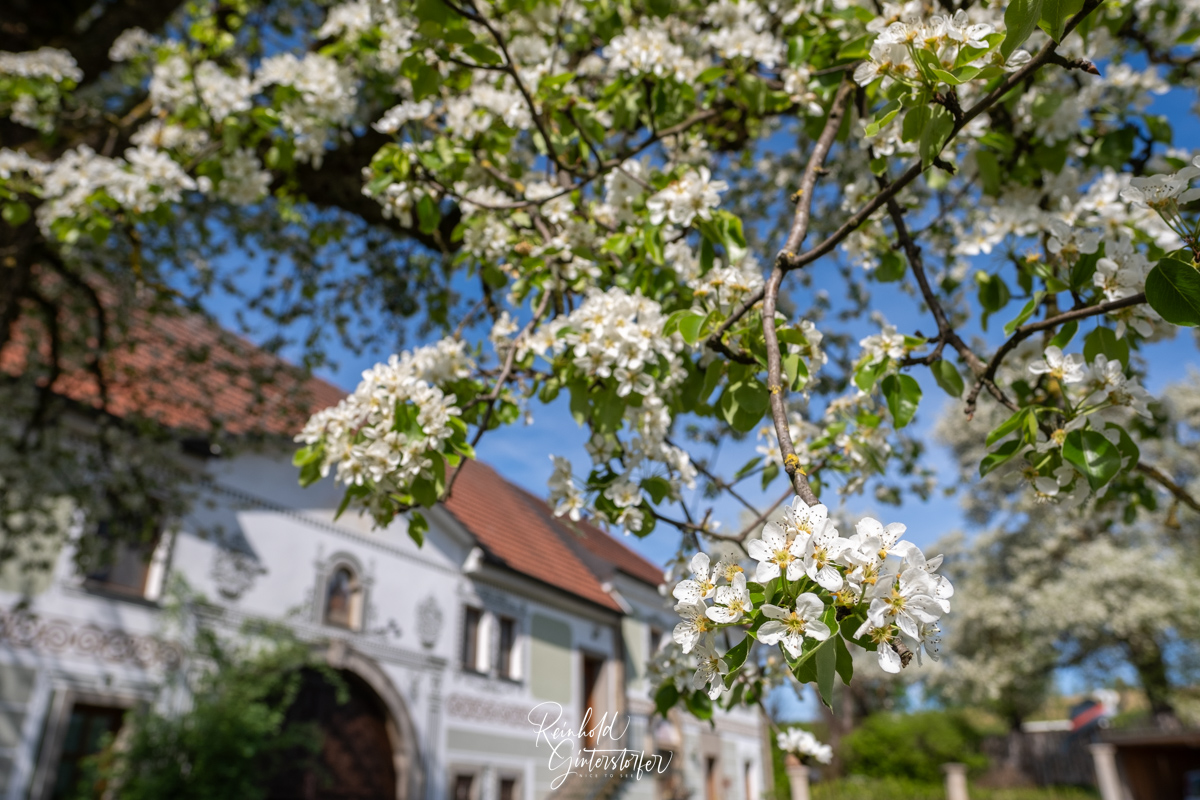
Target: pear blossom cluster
(647,51)
(809,579)
(318,95)
(893,53)
(1098,396)
(616,338)
(31,85)
(74,184)
(742,30)
(804,745)
(691,197)
(384,435)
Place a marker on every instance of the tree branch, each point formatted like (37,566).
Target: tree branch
(1025,331)
(1180,493)
(799,229)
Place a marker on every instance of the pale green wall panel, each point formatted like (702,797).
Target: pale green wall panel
(550,657)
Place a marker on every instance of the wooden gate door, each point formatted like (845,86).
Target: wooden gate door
(356,752)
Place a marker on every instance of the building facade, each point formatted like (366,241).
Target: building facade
(504,616)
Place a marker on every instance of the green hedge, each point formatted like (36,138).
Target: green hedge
(860,788)
(912,746)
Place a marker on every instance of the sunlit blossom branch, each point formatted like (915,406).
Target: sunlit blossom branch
(1025,331)
(509,67)
(827,245)
(796,234)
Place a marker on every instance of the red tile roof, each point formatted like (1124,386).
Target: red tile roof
(520,531)
(185,372)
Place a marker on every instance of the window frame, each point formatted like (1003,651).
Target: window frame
(55,724)
(153,569)
(355,600)
(508,666)
(475,642)
(517,793)
(459,772)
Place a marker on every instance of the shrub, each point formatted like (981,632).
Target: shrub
(234,737)
(912,746)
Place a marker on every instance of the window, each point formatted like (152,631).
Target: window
(86,734)
(472,623)
(464,787)
(508,643)
(128,559)
(656,640)
(343,599)
(508,789)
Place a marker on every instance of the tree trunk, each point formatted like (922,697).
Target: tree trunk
(1147,658)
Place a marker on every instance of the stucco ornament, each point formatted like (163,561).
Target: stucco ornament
(429,622)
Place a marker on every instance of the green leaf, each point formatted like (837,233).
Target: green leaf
(426,82)
(845,661)
(712,376)
(699,704)
(999,456)
(1104,341)
(914,123)
(1114,148)
(432,11)
(711,74)
(903,395)
(428,214)
(989,171)
(691,325)
(1008,426)
(993,292)
(1055,14)
(418,526)
(935,133)
(1025,314)
(556,81)
(947,377)
(891,267)
(740,417)
(484,55)
(1065,335)
(747,468)
(672,323)
(1173,290)
(658,487)
(15,213)
(1093,455)
(666,697)
(1084,269)
(1020,20)
(883,117)
(735,657)
(869,373)
(795,371)
(827,661)
(770,472)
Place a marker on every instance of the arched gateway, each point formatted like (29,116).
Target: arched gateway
(369,747)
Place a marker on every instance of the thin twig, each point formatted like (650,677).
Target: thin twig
(1181,494)
(501,380)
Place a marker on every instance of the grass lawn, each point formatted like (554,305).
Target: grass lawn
(882,789)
